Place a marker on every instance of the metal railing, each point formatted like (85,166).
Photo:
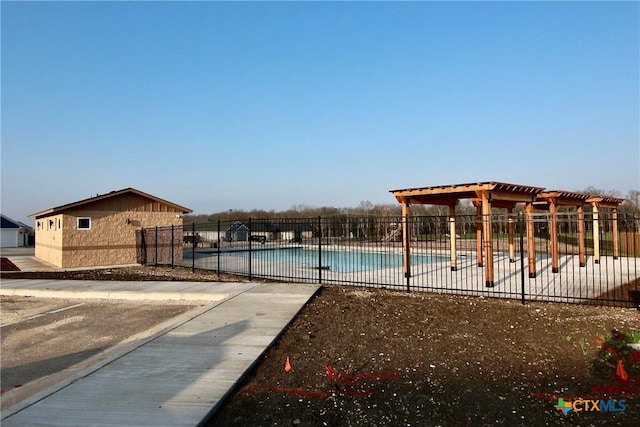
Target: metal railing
(370,251)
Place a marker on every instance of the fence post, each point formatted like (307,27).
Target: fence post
(172,244)
(319,249)
(250,248)
(521,231)
(406,249)
(156,245)
(143,248)
(193,247)
(218,251)
(634,294)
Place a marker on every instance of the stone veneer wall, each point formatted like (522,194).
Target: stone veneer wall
(113,238)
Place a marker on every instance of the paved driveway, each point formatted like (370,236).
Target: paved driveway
(41,337)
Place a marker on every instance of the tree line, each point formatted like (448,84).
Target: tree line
(631,205)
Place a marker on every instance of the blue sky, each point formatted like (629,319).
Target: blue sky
(266,105)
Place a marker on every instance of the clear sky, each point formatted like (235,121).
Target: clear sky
(266,105)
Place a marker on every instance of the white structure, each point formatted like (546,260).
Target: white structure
(14,233)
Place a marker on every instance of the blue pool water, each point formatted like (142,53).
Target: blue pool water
(341,261)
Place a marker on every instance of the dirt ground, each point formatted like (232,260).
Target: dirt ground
(363,357)
(380,358)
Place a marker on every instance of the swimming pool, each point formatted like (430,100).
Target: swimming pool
(344,261)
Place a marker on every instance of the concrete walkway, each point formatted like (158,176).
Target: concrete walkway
(176,378)
(24,259)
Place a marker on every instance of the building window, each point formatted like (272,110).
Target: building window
(84,223)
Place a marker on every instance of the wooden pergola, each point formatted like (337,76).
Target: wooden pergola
(484,196)
(550,201)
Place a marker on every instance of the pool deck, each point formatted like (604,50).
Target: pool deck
(570,284)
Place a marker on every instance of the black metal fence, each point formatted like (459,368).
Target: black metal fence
(160,245)
(370,251)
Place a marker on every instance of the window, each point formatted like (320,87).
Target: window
(84,223)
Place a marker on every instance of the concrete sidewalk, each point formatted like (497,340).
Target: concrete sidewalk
(176,378)
(124,290)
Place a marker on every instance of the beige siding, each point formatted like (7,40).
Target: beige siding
(49,237)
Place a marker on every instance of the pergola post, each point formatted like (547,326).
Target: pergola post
(614,220)
(596,234)
(581,246)
(553,231)
(479,235)
(452,234)
(406,240)
(488,239)
(512,244)
(531,240)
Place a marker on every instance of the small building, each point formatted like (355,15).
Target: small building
(237,232)
(14,233)
(104,230)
